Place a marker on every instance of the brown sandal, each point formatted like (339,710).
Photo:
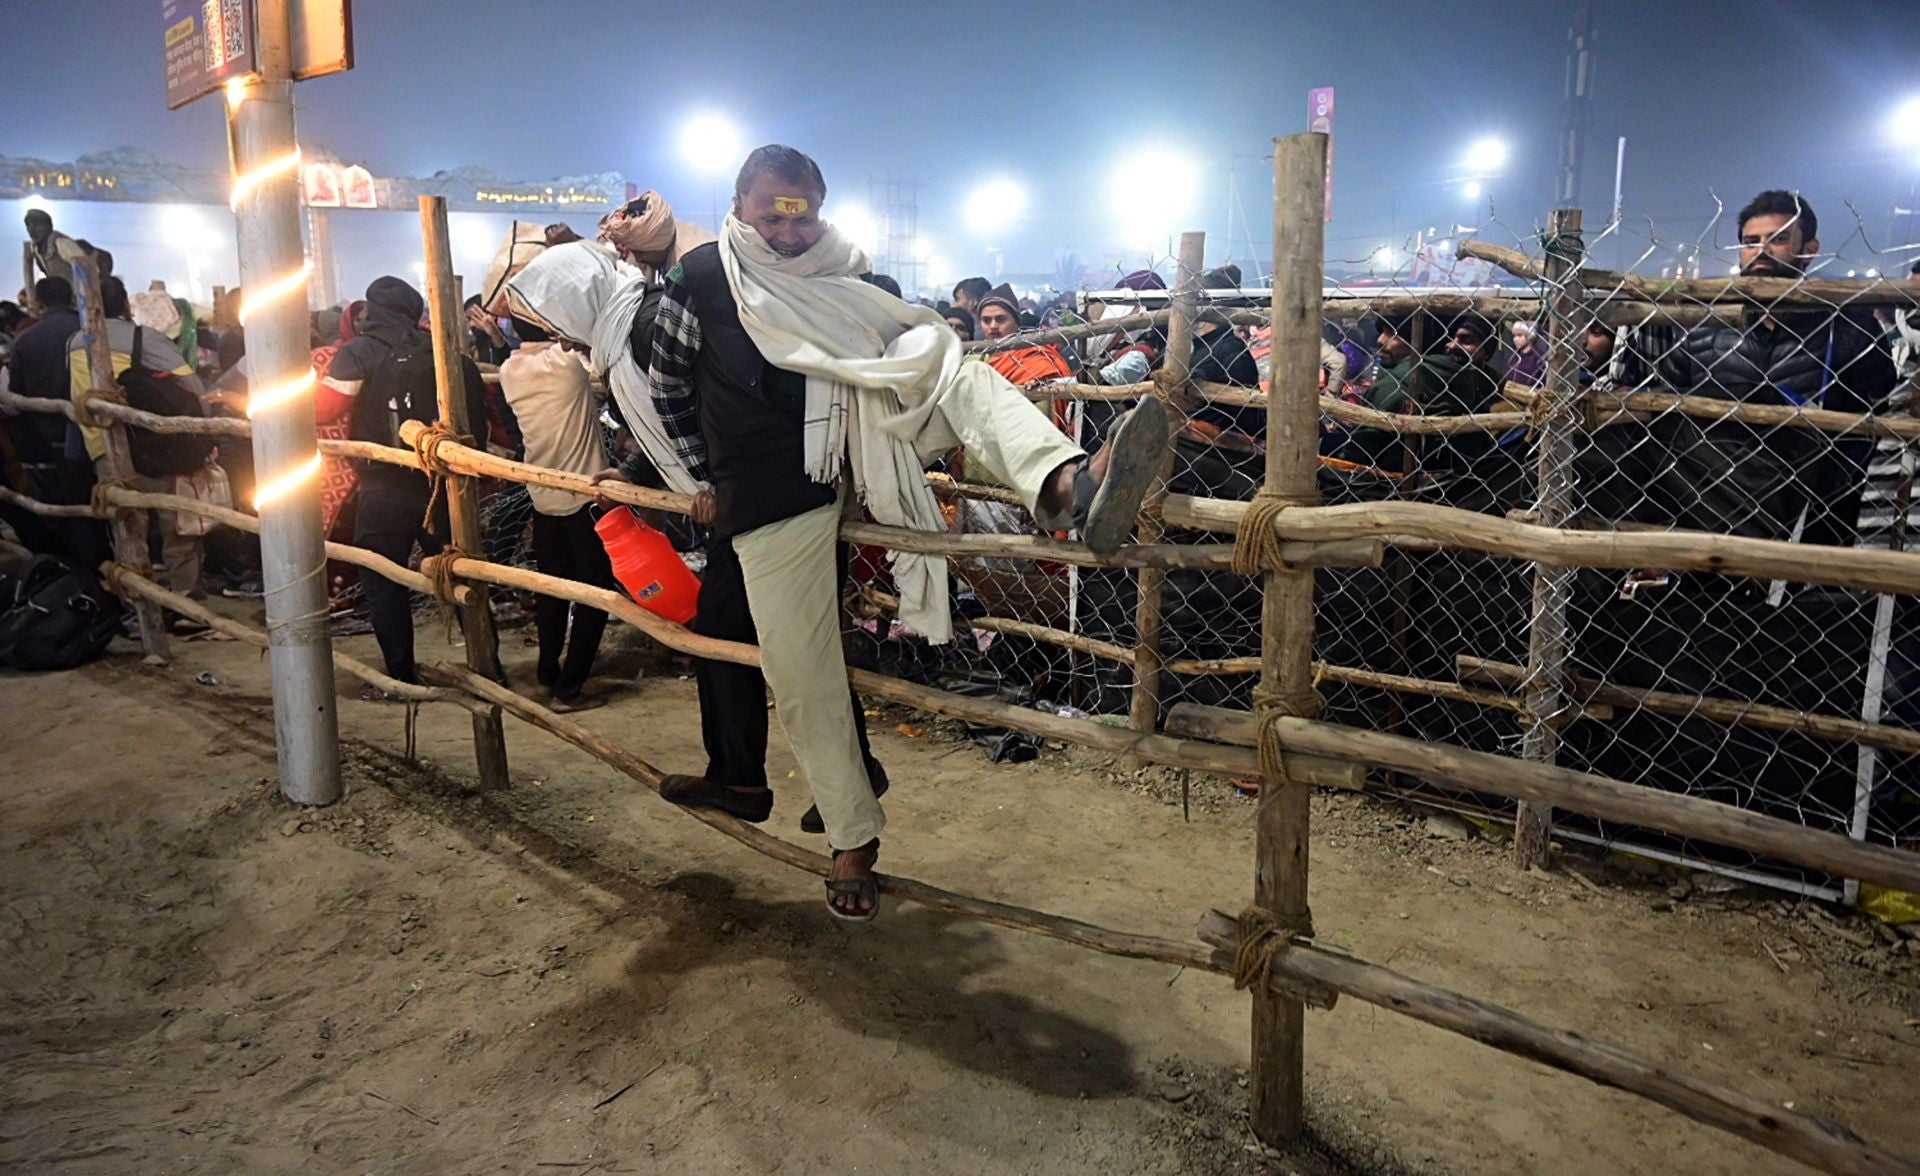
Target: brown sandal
(867,888)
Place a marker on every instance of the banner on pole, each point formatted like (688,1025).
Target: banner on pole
(1320,118)
(210,42)
(206,43)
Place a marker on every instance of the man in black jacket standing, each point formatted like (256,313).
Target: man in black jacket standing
(1795,484)
(37,366)
(382,377)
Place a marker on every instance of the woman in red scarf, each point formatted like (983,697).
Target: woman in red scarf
(338,478)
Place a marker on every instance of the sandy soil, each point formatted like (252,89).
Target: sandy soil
(570,977)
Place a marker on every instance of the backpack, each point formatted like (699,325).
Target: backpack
(54,616)
(163,455)
(403,387)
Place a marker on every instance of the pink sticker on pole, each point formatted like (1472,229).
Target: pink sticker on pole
(1320,118)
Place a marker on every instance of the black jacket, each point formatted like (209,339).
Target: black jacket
(1222,357)
(1743,479)
(363,359)
(38,367)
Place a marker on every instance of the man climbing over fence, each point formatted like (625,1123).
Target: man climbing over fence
(779,374)
(577,293)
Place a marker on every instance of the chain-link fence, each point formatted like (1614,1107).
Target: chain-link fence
(1063,636)
(1496,373)
(1645,405)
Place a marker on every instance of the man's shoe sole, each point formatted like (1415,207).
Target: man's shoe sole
(1139,445)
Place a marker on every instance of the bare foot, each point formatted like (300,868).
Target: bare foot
(1056,497)
(1098,463)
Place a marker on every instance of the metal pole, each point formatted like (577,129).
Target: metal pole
(1867,765)
(285,449)
(1619,175)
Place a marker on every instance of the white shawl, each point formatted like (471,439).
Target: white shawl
(579,293)
(875,366)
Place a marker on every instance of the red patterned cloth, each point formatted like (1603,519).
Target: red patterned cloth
(339,480)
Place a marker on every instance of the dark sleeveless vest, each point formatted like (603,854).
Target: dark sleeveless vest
(751,413)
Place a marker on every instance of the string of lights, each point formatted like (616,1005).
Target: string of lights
(268,399)
(285,395)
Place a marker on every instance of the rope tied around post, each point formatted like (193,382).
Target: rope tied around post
(438,569)
(1270,705)
(1538,410)
(1262,936)
(426,448)
(100,500)
(1256,541)
(82,406)
(114,572)
(1168,387)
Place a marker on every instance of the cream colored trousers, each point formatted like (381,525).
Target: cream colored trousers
(793,591)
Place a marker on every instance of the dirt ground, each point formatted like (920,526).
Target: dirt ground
(570,977)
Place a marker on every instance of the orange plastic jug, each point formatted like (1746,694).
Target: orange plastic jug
(648,566)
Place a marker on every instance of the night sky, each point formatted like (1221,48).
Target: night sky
(1712,96)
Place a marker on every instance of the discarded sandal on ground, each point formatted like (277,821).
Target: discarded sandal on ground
(700,792)
(810,821)
(1138,446)
(866,889)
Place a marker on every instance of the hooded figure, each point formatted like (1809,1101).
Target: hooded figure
(378,379)
(577,293)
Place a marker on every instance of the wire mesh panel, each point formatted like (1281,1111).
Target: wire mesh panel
(1465,374)
(1782,415)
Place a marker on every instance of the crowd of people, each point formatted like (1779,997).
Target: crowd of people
(770,375)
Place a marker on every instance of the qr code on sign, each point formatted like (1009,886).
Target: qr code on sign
(226,31)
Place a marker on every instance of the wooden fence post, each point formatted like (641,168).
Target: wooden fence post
(1560,425)
(1286,613)
(1150,607)
(129,527)
(463,505)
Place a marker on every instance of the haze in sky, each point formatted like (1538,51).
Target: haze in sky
(1121,125)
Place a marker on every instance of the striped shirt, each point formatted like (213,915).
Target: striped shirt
(675,345)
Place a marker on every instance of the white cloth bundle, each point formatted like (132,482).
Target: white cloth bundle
(579,293)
